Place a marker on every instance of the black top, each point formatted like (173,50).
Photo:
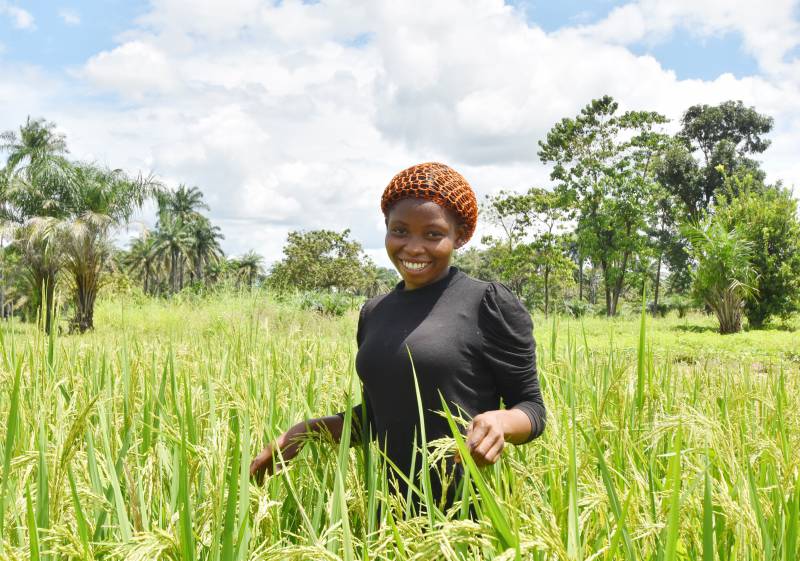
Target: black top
(468,339)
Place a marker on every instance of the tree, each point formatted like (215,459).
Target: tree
(321,260)
(100,199)
(142,261)
(603,165)
(537,217)
(204,247)
(767,218)
(724,276)
(35,183)
(249,266)
(173,244)
(711,138)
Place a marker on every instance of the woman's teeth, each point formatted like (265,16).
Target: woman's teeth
(414,266)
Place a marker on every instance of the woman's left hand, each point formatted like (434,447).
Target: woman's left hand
(486,438)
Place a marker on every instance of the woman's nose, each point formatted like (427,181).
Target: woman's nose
(415,246)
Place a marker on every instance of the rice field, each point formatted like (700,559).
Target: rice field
(133,442)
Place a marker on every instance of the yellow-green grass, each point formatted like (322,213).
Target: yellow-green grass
(133,442)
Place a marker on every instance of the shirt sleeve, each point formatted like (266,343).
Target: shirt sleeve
(361,414)
(510,351)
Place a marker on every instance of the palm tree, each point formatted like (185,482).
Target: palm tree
(249,266)
(182,204)
(37,174)
(37,241)
(724,275)
(101,199)
(173,243)
(205,248)
(35,182)
(142,260)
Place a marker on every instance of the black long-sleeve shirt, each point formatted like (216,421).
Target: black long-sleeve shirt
(468,339)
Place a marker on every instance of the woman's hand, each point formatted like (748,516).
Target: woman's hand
(289,443)
(489,431)
(485,438)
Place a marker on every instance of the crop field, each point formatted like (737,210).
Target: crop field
(664,441)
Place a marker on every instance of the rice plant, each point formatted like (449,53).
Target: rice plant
(133,442)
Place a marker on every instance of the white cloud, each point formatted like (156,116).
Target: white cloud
(70,17)
(22,19)
(286,121)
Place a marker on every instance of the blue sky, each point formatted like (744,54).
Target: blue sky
(58,44)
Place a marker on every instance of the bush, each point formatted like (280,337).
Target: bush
(329,303)
(681,304)
(576,308)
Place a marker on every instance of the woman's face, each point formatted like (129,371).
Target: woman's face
(420,239)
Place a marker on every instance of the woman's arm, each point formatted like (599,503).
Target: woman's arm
(291,442)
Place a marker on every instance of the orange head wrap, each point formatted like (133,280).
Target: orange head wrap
(438,183)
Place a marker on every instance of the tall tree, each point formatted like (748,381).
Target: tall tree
(204,247)
(143,262)
(603,163)
(712,138)
(34,183)
(100,199)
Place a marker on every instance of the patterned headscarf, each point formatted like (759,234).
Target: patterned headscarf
(438,183)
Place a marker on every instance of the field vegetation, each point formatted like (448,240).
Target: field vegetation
(133,441)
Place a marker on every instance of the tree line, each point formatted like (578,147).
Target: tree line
(632,208)
(58,219)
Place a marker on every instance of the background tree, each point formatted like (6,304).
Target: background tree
(724,276)
(603,163)
(35,183)
(321,260)
(766,216)
(712,137)
(100,200)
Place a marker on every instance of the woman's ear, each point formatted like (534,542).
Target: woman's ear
(461,236)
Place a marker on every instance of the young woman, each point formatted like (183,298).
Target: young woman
(470,341)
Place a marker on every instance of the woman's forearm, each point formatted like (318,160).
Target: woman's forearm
(516,425)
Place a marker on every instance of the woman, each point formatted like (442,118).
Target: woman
(470,341)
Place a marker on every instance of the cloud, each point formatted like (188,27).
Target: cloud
(70,17)
(296,115)
(22,19)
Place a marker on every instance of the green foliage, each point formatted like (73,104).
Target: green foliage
(767,218)
(602,164)
(724,276)
(322,260)
(329,303)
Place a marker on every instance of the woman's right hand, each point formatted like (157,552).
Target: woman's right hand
(289,444)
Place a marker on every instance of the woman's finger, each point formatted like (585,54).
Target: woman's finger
(495,451)
(476,435)
(482,449)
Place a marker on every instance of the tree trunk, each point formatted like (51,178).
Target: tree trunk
(658,283)
(620,283)
(546,290)
(580,278)
(607,287)
(85,295)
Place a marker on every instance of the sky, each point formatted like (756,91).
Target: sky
(294,115)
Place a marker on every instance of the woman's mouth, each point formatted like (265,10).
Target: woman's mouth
(415,266)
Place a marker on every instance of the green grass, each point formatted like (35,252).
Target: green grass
(133,442)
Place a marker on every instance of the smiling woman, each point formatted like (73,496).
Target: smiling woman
(470,341)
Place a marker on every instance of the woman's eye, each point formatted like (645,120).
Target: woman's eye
(435,234)
(398,231)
